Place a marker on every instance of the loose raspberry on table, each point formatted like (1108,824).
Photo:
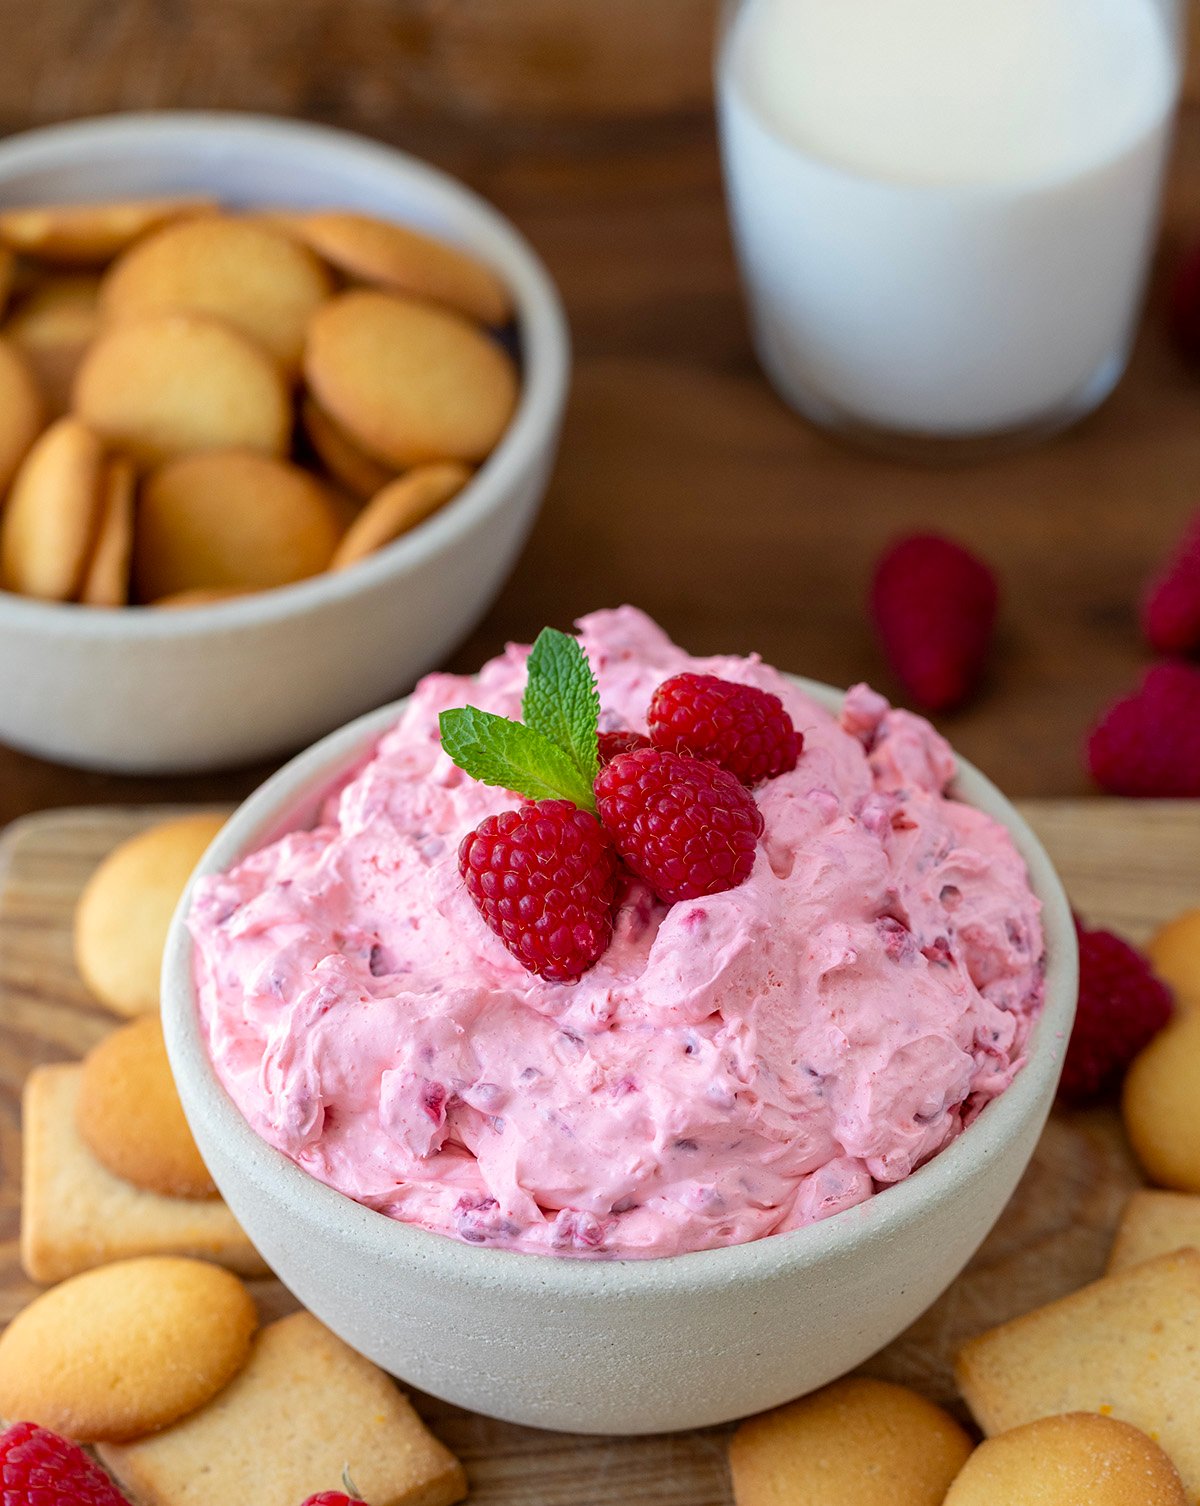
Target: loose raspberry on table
(934,607)
(685,826)
(38,1468)
(544,879)
(1122,1006)
(1148,743)
(1171,609)
(744,729)
(609,744)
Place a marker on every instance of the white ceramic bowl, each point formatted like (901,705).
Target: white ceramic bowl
(149,691)
(598,1346)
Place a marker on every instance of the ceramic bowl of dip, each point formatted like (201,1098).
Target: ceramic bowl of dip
(610,1345)
(265,674)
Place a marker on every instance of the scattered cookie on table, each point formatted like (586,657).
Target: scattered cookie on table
(231,520)
(49,523)
(346,463)
(76,1214)
(257,280)
(106,575)
(123,915)
(304,1410)
(88,235)
(1175,953)
(1125,1345)
(1081,1459)
(402,260)
(858,1442)
(130,1118)
(1155,1223)
(399,507)
(52,326)
(125,1349)
(22,411)
(408,382)
(174,384)
(1160,1105)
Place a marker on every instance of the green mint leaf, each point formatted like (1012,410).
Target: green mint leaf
(561,700)
(513,757)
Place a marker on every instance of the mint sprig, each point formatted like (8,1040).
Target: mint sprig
(561,699)
(552,755)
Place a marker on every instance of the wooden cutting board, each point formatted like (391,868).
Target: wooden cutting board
(1129,866)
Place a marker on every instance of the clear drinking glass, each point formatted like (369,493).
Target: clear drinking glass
(944,210)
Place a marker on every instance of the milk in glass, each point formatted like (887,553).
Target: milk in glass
(945,209)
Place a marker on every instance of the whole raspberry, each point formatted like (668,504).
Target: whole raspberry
(744,729)
(1185,307)
(685,826)
(544,878)
(1149,742)
(333,1498)
(1122,1006)
(1171,609)
(38,1468)
(609,744)
(934,609)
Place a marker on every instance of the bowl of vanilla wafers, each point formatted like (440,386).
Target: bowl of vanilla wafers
(278,407)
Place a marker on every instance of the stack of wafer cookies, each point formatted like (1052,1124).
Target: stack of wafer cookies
(196,404)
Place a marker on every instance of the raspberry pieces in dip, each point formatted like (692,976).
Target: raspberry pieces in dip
(729,1066)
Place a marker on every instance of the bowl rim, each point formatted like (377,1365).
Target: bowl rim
(291,796)
(540,317)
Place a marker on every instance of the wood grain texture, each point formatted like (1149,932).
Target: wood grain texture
(366,63)
(684,485)
(373,62)
(1126,865)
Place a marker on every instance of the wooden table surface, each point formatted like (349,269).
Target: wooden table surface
(684,485)
(1126,864)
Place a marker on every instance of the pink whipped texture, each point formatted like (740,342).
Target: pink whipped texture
(733,1067)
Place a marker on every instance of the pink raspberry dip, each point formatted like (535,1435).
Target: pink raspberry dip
(733,1067)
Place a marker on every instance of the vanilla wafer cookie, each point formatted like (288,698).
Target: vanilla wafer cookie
(408,382)
(86,235)
(858,1442)
(76,1214)
(1082,1459)
(125,910)
(173,384)
(123,1350)
(305,1410)
(260,282)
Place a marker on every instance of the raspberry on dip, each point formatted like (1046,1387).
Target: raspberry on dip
(730,1066)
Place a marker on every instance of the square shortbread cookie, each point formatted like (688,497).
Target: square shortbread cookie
(305,1408)
(75,1214)
(1155,1223)
(1126,1346)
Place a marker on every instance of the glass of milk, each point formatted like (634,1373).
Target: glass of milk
(944,210)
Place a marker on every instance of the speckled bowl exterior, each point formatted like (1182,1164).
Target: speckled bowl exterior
(146,691)
(615,1346)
